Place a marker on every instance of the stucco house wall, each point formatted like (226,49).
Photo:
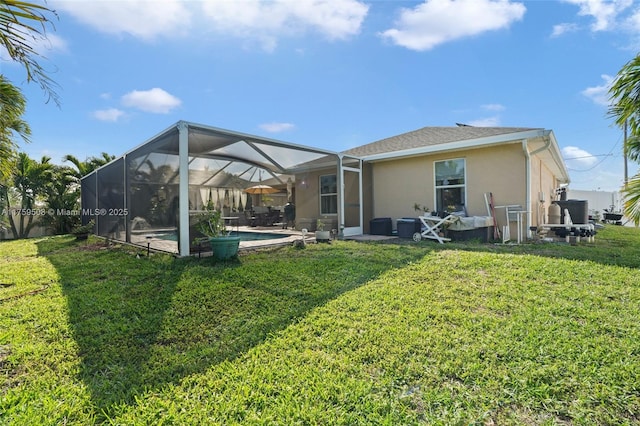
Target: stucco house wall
(515,164)
(543,186)
(308,201)
(401,183)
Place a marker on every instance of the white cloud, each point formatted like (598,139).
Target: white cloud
(264,21)
(491,121)
(438,21)
(43,45)
(631,24)
(277,127)
(336,19)
(493,107)
(599,94)
(50,43)
(267,21)
(596,178)
(111,114)
(561,29)
(154,100)
(485,122)
(604,12)
(577,158)
(140,18)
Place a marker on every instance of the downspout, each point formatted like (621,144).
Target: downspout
(546,137)
(527,179)
(528,156)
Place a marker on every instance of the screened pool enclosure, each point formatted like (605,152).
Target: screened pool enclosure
(154,194)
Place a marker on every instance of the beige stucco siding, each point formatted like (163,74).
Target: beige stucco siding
(308,201)
(392,187)
(399,184)
(543,185)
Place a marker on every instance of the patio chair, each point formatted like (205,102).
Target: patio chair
(272,217)
(250,217)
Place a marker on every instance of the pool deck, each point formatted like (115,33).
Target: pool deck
(292,235)
(248,245)
(169,246)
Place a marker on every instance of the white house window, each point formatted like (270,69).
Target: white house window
(450,185)
(328,194)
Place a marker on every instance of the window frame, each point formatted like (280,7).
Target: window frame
(322,195)
(440,187)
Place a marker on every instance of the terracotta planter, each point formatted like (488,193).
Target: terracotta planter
(224,248)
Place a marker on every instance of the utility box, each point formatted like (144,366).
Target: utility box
(380,226)
(407,226)
(578,209)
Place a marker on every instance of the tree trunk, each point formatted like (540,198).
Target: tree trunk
(14,231)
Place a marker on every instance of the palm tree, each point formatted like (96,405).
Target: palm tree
(22,22)
(12,107)
(147,183)
(29,181)
(85,167)
(625,108)
(62,196)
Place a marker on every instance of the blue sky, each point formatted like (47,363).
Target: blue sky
(335,73)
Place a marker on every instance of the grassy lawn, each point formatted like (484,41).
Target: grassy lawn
(347,333)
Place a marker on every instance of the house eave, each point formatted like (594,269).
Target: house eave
(507,138)
(550,151)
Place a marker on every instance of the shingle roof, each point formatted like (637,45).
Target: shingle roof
(429,136)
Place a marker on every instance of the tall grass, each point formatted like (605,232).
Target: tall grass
(348,333)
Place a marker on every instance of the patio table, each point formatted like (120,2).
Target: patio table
(229,219)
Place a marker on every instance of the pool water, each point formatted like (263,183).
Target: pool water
(244,236)
(257,236)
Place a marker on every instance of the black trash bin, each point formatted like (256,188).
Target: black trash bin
(380,226)
(407,226)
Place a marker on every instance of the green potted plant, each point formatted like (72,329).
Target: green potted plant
(223,245)
(321,234)
(420,208)
(82,231)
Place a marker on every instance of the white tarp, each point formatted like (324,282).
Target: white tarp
(463,223)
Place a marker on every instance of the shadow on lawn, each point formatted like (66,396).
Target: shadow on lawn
(143,323)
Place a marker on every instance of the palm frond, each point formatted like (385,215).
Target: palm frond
(21,24)
(632,199)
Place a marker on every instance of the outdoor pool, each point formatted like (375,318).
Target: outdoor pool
(257,236)
(244,236)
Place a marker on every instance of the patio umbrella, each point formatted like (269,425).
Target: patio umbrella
(261,189)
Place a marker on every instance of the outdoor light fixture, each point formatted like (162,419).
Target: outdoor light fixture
(148,245)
